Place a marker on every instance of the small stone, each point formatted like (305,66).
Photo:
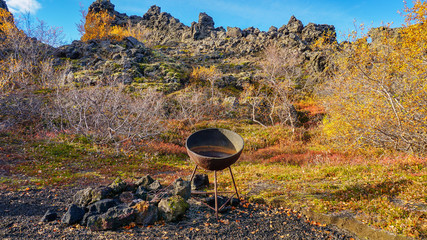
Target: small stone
(154,186)
(221,200)
(83,197)
(118,186)
(101,193)
(49,216)
(182,188)
(73,215)
(200,181)
(126,197)
(144,181)
(102,206)
(234,202)
(141,193)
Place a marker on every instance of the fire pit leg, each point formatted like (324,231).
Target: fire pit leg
(234,183)
(216,196)
(192,175)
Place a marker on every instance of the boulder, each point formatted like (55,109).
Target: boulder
(272,29)
(101,5)
(83,197)
(147,213)
(73,215)
(173,208)
(101,206)
(182,188)
(234,32)
(283,29)
(100,193)
(114,218)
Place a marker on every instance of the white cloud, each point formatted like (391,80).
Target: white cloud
(23,6)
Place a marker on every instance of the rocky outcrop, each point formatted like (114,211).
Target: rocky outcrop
(202,36)
(3,5)
(171,49)
(312,31)
(294,25)
(376,34)
(105,5)
(203,28)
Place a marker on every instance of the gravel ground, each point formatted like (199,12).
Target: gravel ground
(20,213)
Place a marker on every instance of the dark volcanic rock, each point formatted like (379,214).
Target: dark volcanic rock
(234,32)
(114,218)
(154,186)
(172,209)
(126,197)
(142,193)
(295,25)
(102,206)
(182,188)
(200,181)
(83,197)
(73,215)
(312,31)
(118,186)
(203,28)
(19,211)
(100,193)
(144,181)
(49,216)
(101,5)
(3,5)
(147,213)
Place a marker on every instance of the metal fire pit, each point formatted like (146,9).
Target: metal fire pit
(215,149)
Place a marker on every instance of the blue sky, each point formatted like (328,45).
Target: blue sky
(240,13)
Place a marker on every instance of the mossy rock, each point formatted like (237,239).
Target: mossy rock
(173,209)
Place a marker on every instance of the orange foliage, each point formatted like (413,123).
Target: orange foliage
(98,26)
(379,93)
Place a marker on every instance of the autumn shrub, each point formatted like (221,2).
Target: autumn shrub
(107,112)
(26,71)
(271,97)
(211,75)
(378,96)
(98,26)
(192,104)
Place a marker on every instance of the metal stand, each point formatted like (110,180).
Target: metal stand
(216,209)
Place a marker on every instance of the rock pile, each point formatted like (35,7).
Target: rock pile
(142,202)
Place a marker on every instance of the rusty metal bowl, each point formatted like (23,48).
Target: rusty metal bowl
(214,149)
